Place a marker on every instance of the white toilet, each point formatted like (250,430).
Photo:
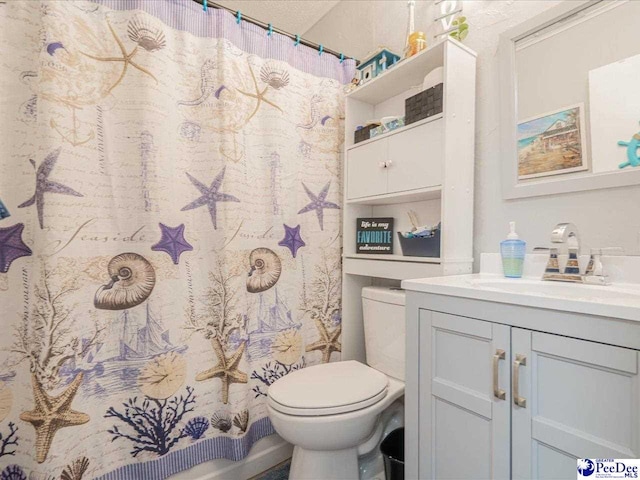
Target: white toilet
(331,412)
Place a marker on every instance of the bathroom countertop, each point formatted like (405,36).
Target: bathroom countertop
(619,300)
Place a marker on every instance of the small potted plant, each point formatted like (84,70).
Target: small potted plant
(461,28)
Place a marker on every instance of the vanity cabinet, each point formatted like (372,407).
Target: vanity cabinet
(462,425)
(581,400)
(493,400)
(409,159)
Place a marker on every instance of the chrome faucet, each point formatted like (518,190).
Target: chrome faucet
(566,235)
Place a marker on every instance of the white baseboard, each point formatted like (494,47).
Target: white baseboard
(266,453)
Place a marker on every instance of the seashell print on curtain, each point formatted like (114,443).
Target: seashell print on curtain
(169,233)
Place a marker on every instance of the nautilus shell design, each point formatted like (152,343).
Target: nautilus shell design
(132,280)
(265,270)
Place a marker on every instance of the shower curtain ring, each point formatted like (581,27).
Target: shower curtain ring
(297,41)
(238,17)
(270,31)
(341,57)
(204,5)
(320,49)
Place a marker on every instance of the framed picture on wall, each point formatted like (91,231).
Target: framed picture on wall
(552,144)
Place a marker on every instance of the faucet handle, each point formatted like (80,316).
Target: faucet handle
(595,269)
(565,233)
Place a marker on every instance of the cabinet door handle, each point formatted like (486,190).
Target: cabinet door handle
(389,163)
(497,391)
(520,360)
(382,164)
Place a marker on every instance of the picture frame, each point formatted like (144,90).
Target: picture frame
(552,143)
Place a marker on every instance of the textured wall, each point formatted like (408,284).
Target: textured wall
(604,217)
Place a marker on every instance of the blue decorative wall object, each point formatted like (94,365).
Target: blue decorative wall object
(376,63)
(633,158)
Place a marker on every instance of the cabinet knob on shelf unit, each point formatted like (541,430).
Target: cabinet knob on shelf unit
(389,163)
(382,164)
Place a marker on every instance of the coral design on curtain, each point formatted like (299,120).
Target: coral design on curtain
(173,242)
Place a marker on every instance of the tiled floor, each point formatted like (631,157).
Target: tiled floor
(279,472)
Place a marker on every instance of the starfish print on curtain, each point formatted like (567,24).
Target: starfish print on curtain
(226,369)
(275,80)
(173,242)
(50,414)
(318,203)
(145,36)
(44,185)
(210,196)
(292,239)
(11,246)
(328,342)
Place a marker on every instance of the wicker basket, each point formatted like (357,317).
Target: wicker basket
(423,105)
(420,246)
(363,133)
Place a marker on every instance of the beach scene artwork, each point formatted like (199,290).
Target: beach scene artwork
(552,144)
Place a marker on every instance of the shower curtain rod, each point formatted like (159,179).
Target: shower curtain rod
(267,26)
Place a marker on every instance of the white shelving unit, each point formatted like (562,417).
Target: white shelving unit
(426,166)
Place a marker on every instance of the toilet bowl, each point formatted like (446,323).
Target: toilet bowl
(331,412)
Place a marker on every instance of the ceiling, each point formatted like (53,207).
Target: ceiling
(293,16)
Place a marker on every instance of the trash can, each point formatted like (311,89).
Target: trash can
(392,448)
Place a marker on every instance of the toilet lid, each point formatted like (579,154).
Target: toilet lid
(328,389)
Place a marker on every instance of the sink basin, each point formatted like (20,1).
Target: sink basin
(621,300)
(573,291)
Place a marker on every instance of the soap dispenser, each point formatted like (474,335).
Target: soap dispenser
(512,250)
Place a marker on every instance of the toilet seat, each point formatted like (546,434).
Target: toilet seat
(328,389)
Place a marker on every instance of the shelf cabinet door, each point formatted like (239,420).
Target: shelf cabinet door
(582,400)
(366,173)
(464,429)
(416,157)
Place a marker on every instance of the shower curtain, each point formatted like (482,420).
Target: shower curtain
(170,233)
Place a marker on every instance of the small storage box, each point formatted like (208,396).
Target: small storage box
(423,105)
(363,134)
(420,246)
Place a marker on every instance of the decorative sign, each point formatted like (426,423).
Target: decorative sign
(374,235)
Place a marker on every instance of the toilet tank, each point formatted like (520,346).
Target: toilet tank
(384,329)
